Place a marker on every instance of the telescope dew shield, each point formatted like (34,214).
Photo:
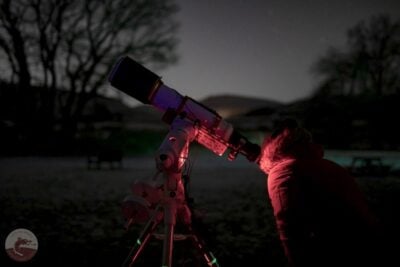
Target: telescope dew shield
(133,79)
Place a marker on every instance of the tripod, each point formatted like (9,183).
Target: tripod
(172,205)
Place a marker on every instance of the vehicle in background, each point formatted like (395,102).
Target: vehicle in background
(368,166)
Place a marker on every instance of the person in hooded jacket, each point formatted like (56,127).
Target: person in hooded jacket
(321,215)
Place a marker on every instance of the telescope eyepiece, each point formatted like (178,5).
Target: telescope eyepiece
(251,151)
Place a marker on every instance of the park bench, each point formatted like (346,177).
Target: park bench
(108,155)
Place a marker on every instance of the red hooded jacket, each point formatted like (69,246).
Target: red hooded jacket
(321,215)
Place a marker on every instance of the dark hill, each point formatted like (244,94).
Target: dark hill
(231,105)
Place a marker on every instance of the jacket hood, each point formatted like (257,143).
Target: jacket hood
(289,144)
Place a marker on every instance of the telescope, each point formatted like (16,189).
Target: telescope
(214,132)
(189,121)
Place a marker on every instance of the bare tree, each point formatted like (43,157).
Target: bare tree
(13,45)
(70,45)
(369,65)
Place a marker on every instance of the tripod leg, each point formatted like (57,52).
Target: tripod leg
(169,222)
(200,245)
(168,245)
(142,240)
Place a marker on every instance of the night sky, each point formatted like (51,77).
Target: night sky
(262,49)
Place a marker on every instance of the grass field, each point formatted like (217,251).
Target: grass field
(75,212)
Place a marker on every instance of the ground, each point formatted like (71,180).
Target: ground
(76,213)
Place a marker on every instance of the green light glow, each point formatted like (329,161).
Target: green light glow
(138,242)
(214,260)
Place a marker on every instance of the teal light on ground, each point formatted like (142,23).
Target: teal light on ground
(138,242)
(214,259)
